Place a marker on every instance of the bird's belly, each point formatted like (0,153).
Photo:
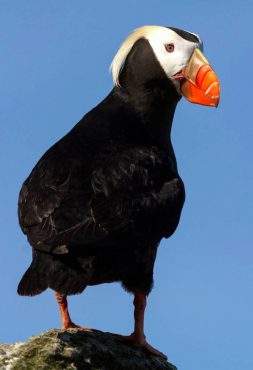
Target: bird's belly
(174,207)
(120,264)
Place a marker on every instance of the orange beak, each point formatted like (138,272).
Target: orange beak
(200,84)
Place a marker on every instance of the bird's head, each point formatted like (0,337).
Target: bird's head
(153,53)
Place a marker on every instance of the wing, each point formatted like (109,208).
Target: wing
(54,202)
(137,193)
(131,194)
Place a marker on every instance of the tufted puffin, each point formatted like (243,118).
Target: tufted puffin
(97,204)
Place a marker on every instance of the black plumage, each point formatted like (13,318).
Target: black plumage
(98,202)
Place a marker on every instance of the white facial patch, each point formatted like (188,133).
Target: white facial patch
(171,62)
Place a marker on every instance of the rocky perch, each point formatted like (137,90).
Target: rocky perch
(76,349)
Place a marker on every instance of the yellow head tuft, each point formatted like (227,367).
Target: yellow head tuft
(126,46)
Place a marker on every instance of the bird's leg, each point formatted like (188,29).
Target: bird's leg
(67,323)
(138,337)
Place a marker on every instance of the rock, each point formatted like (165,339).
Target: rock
(76,349)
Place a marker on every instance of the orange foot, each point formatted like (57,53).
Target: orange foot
(140,341)
(71,325)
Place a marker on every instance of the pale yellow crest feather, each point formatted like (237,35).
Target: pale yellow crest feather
(126,46)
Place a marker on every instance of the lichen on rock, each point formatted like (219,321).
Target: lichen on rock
(77,350)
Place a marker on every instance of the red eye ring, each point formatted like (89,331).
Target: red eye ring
(169,47)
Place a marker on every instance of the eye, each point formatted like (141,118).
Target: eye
(169,47)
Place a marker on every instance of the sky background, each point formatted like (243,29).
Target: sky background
(54,59)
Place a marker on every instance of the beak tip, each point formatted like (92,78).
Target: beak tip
(216,102)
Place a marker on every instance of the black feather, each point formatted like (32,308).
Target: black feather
(97,204)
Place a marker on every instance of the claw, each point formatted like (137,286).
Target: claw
(71,325)
(140,341)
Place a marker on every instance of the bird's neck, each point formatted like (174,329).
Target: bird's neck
(155,106)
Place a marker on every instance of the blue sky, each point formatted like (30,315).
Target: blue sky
(54,68)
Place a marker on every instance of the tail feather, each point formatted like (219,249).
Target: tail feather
(63,273)
(31,283)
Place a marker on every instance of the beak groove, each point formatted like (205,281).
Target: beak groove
(201,84)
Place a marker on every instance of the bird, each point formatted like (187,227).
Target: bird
(99,201)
